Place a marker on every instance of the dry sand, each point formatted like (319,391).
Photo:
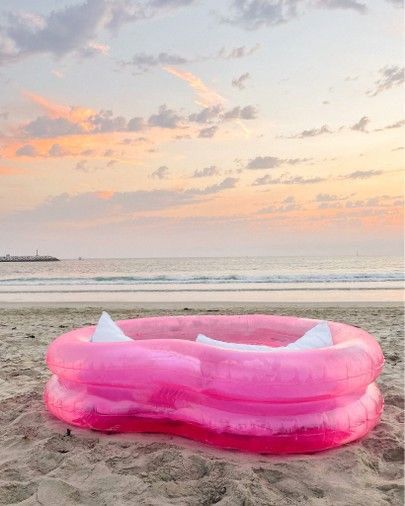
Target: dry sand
(41,464)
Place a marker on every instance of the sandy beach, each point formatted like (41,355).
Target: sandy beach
(43,463)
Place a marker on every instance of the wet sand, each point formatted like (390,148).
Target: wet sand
(40,463)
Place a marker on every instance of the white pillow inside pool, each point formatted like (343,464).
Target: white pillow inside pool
(317,337)
(107,331)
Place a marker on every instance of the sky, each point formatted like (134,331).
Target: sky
(201,128)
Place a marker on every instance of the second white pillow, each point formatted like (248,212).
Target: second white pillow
(318,337)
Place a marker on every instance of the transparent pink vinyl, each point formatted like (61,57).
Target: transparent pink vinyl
(289,401)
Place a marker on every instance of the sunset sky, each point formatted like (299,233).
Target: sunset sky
(181,127)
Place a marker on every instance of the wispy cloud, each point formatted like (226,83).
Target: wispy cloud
(51,127)
(169,4)
(226,184)
(26,150)
(207,97)
(62,120)
(286,179)
(272,162)
(255,14)
(362,174)
(53,109)
(160,173)
(354,5)
(57,150)
(144,62)
(208,132)
(69,131)
(397,124)
(72,29)
(287,205)
(102,204)
(72,114)
(94,49)
(218,114)
(240,82)
(389,77)
(82,166)
(207,115)
(165,118)
(361,125)
(237,52)
(312,132)
(212,170)
(376,201)
(26,33)
(326,197)
(248,112)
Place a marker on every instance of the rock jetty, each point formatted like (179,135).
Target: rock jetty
(33,258)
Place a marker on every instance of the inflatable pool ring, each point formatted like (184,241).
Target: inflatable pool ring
(162,380)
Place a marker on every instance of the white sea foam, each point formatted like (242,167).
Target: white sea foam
(206,274)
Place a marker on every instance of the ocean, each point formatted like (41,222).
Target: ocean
(244,279)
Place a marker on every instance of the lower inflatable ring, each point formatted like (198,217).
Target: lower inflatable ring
(163,381)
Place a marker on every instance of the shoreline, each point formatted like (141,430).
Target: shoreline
(193,305)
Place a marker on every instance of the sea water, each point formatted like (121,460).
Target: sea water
(357,278)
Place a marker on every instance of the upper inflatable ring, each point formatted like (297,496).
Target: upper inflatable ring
(164,381)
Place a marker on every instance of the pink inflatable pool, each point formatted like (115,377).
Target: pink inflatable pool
(285,401)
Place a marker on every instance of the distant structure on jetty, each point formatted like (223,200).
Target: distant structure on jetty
(33,258)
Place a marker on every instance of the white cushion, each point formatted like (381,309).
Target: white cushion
(317,337)
(232,346)
(107,331)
